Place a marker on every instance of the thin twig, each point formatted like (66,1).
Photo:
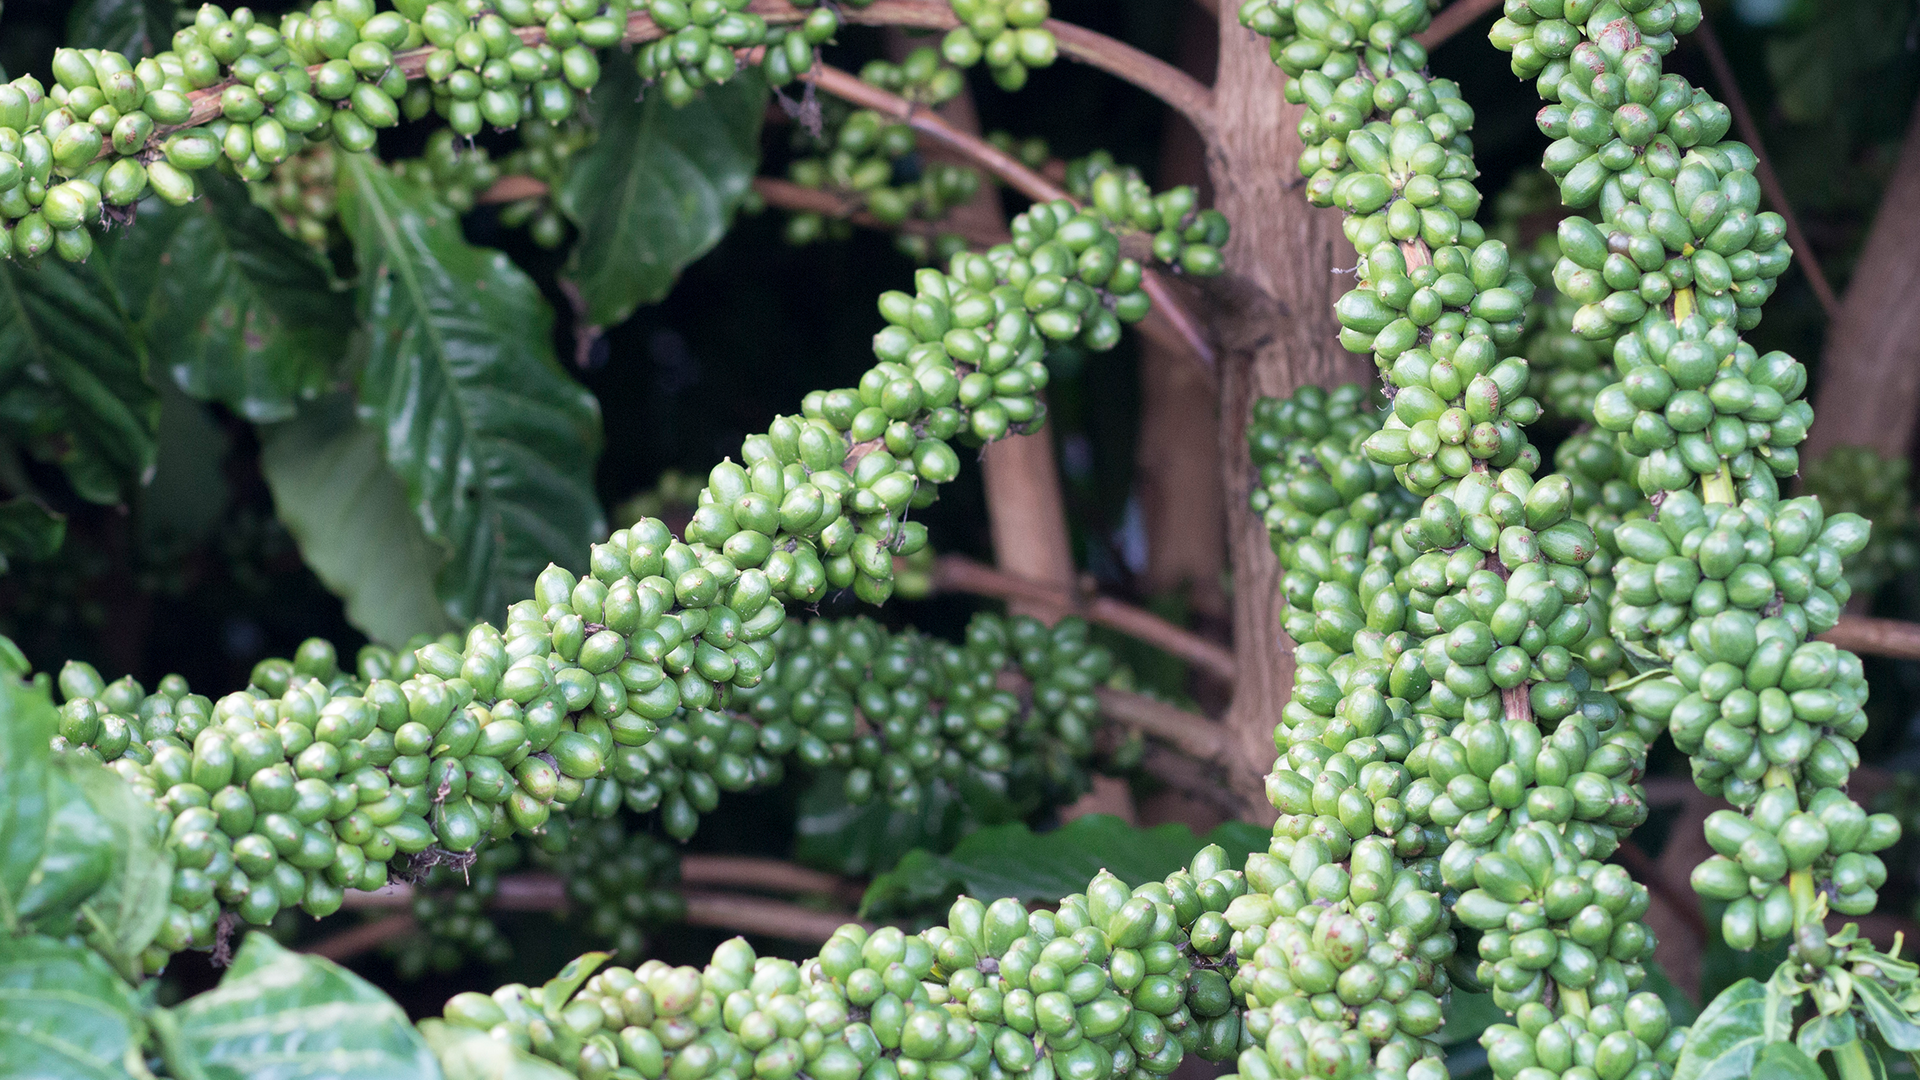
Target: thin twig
(1457,17)
(1190,733)
(957,573)
(765,875)
(1876,637)
(1776,194)
(1166,82)
(1179,90)
(364,938)
(723,911)
(757,915)
(1193,778)
(1011,172)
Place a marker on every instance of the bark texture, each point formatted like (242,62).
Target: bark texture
(1869,392)
(1276,330)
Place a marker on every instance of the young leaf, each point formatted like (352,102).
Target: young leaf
(68,361)
(289,1016)
(659,188)
(494,442)
(126,913)
(333,491)
(1889,1019)
(64,1014)
(233,309)
(27,723)
(466,1054)
(1823,1033)
(1727,1038)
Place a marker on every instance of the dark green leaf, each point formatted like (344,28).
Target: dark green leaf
(77,858)
(1727,1038)
(134,28)
(1889,1019)
(466,1054)
(27,723)
(1823,1033)
(1012,860)
(1784,1061)
(234,310)
(30,531)
(349,514)
(73,379)
(126,913)
(64,1015)
(494,442)
(659,188)
(833,834)
(280,1015)
(188,495)
(1467,1016)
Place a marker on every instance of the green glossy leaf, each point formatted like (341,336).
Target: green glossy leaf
(1823,1033)
(494,442)
(64,1014)
(1889,1019)
(658,189)
(1012,860)
(333,491)
(1784,1061)
(126,913)
(280,1015)
(1776,1019)
(466,1054)
(1726,1039)
(76,861)
(233,309)
(834,834)
(73,379)
(27,722)
(134,28)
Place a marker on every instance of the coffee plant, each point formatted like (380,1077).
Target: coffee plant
(1487,644)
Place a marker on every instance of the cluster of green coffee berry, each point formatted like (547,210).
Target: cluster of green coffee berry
(920,78)
(1402,751)
(1782,561)
(1566,371)
(546,153)
(873,161)
(702,36)
(1183,234)
(302,194)
(332,72)
(1608,1041)
(1007,34)
(1116,984)
(450,905)
(621,883)
(1348,62)
(1722,587)
(454,173)
(903,712)
(1856,479)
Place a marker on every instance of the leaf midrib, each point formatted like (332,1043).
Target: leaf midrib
(416,294)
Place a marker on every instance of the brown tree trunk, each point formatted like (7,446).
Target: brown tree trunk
(1276,333)
(1176,461)
(1869,391)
